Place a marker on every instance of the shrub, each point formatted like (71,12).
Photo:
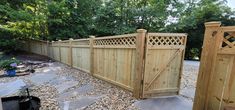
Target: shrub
(9,64)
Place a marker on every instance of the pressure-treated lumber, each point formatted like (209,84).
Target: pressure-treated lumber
(121,59)
(70,57)
(216,80)
(206,65)
(92,54)
(140,42)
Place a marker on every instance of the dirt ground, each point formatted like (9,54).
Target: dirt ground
(70,88)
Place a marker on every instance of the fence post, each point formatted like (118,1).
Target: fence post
(140,42)
(70,52)
(212,42)
(92,38)
(29,46)
(47,49)
(41,45)
(59,49)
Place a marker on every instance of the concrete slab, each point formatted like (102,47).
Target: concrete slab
(192,63)
(164,103)
(74,93)
(60,80)
(78,104)
(66,85)
(188,92)
(43,77)
(11,87)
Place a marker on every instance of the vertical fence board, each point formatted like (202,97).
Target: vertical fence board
(117,59)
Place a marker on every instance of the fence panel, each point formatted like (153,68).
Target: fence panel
(36,47)
(81,54)
(124,60)
(56,51)
(114,60)
(216,80)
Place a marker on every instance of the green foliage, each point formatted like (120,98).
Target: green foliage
(9,64)
(192,22)
(63,19)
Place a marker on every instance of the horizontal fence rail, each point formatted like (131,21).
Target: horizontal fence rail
(116,59)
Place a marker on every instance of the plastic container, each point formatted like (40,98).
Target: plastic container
(11,73)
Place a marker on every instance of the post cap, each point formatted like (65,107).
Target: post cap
(70,38)
(213,23)
(141,30)
(92,36)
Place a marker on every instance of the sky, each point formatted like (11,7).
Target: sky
(231,3)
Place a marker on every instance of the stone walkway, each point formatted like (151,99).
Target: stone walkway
(65,88)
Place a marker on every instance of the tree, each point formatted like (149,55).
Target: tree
(192,22)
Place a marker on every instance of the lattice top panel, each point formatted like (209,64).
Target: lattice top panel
(166,39)
(229,40)
(125,40)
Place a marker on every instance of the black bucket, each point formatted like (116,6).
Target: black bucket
(21,103)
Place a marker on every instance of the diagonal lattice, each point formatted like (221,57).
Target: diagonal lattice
(229,40)
(126,41)
(165,40)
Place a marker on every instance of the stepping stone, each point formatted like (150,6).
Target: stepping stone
(42,78)
(188,92)
(79,91)
(59,80)
(79,104)
(164,103)
(192,63)
(11,87)
(64,86)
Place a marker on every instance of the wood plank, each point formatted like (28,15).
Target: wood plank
(117,36)
(228,28)
(92,55)
(114,46)
(167,34)
(229,87)
(227,51)
(162,90)
(114,82)
(140,42)
(210,45)
(163,68)
(182,64)
(166,47)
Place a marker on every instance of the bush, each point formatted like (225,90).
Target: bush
(9,64)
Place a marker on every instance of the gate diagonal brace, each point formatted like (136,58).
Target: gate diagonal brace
(164,67)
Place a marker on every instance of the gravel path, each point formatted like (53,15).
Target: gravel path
(109,97)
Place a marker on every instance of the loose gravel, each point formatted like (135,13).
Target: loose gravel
(113,98)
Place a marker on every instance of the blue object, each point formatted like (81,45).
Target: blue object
(11,72)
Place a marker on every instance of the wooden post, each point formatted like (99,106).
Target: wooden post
(212,42)
(92,38)
(52,50)
(41,45)
(139,66)
(70,52)
(47,49)
(59,49)
(29,47)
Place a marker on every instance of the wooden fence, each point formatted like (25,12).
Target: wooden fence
(147,64)
(216,79)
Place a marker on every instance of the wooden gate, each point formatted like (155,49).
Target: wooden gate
(164,55)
